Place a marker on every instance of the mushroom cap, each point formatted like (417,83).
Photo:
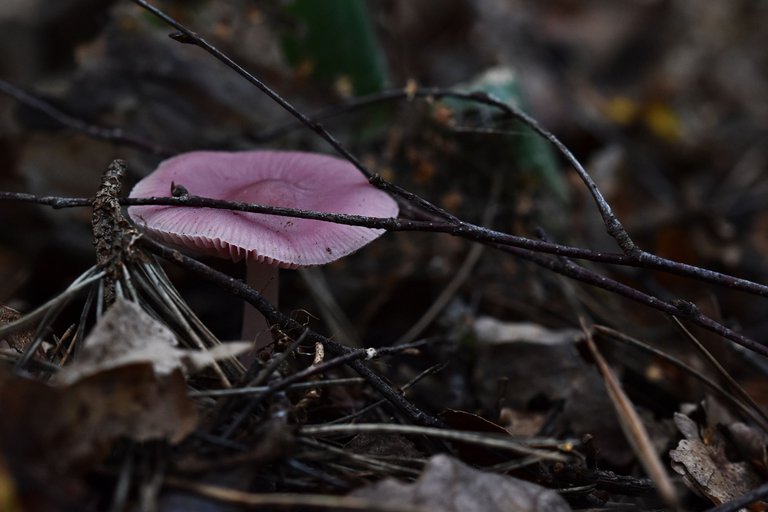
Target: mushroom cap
(293,179)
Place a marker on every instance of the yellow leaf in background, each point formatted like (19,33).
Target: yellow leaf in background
(662,121)
(621,110)
(8,499)
(343,86)
(655,115)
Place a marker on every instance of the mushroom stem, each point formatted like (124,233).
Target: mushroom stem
(264,279)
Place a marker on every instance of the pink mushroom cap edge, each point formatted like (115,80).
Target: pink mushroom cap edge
(293,179)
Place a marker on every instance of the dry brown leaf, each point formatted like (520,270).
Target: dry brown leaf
(73,424)
(519,353)
(131,401)
(448,485)
(751,444)
(521,423)
(49,435)
(702,462)
(126,334)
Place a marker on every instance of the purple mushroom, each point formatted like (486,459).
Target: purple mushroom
(276,178)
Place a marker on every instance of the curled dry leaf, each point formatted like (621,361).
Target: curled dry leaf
(126,334)
(701,460)
(448,485)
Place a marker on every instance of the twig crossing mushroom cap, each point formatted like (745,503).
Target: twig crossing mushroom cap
(307,181)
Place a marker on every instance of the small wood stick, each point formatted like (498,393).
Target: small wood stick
(113,235)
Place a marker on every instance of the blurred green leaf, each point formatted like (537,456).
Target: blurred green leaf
(336,40)
(531,153)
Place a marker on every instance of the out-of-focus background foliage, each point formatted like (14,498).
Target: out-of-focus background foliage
(665,101)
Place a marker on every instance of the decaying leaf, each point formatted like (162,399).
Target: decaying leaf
(126,383)
(126,334)
(131,401)
(751,444)
(536,362)
(701,460)
(72,424)
(50,434)
(521,423)
(448,485)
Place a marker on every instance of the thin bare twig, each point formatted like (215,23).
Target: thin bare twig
(681,309)
(461,275)
(461,229)
(612,223)
(116,135)
(479,438)
(526,248)
(259,501)
(633,427)
(404,388)
(734,386)
(255,390)
(288,324)
(753,412)
(55,202)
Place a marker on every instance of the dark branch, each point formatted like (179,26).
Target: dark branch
(681,309)
(459,228)
(612,223)
(116,135)
(187,36)
(55,202)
